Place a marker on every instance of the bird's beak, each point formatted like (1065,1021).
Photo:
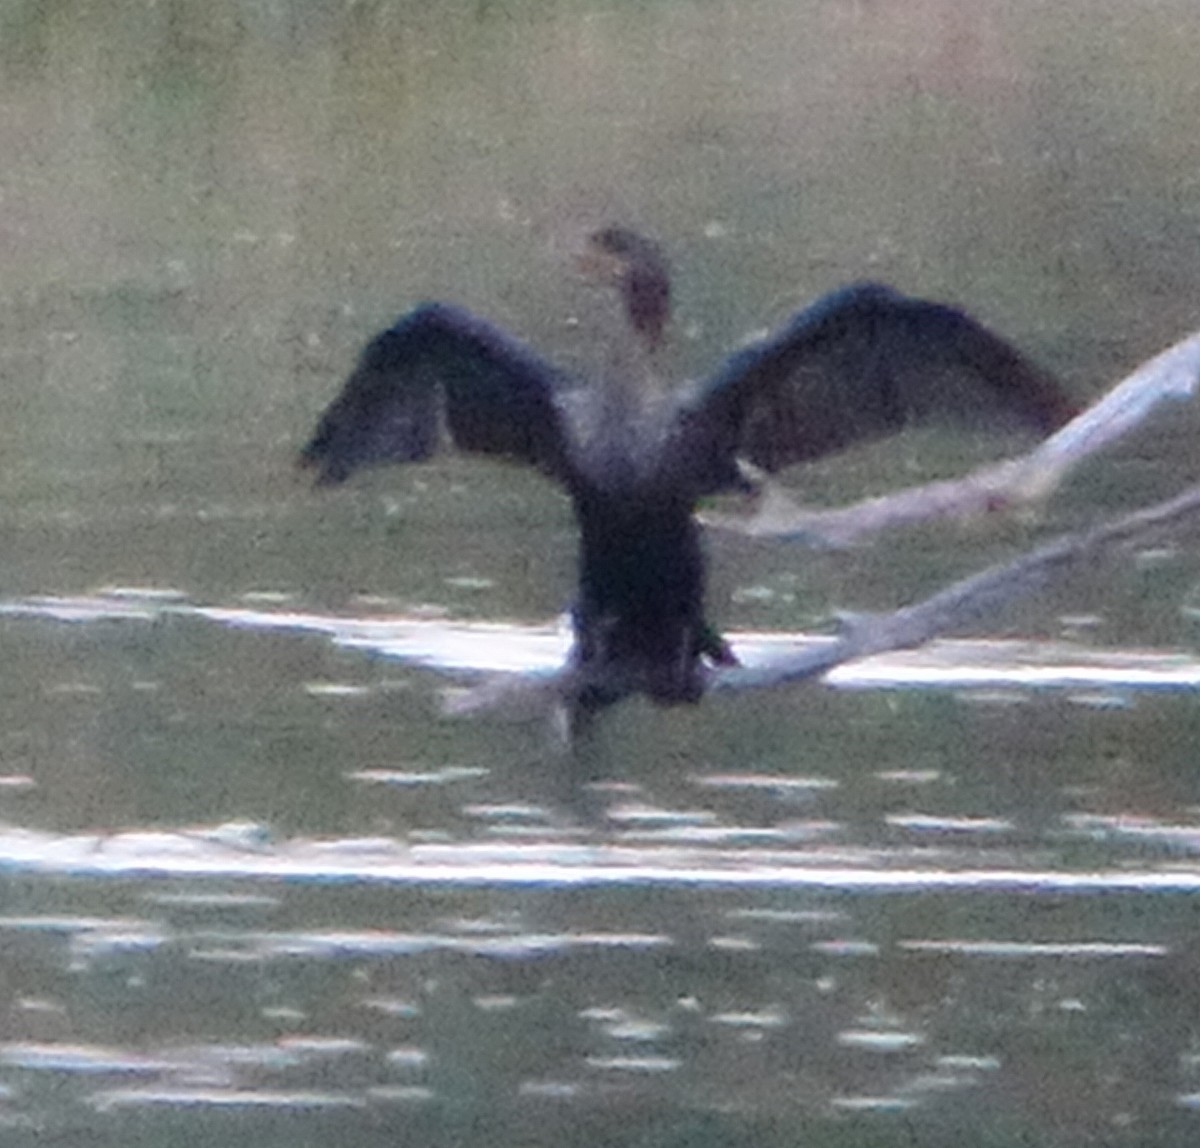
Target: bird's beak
(598,266)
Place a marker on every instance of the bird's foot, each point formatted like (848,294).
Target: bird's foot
(716,649)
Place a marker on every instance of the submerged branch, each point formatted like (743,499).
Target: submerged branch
(968,600)
(1021,481)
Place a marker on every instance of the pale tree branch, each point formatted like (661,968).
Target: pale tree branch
(1022,481)
(967,601)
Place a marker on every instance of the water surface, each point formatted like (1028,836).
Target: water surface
(256,888)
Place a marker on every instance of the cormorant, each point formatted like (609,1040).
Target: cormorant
(860,362)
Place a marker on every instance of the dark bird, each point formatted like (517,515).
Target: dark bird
(858,363)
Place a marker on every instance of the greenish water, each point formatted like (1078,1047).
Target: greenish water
(204,211)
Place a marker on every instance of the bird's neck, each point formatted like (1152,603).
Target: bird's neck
(632,391)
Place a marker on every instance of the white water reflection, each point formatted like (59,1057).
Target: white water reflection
(547,864)
(647,1064)
(1019,949)
(492,647)
(219,1098)
(431,986)
(887,928)
(876,1041)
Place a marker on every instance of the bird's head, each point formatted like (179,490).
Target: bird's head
(636,266)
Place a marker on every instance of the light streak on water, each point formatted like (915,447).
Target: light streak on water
(491,647)
(548,864)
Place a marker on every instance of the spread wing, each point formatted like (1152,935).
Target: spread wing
(859,363)
(440,368)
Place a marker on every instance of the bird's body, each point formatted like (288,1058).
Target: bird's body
(856,364)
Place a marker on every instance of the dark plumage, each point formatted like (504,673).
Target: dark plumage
(860,362)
